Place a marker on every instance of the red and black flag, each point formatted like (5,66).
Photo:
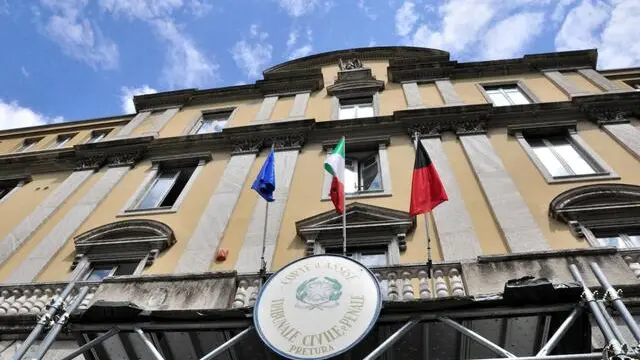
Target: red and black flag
(427,191)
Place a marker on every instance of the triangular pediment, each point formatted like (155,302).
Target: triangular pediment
(358,215)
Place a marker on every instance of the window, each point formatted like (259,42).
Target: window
(165,188)
(99,272)
(211,123)
(560,156)
(619,239)
(367,257)
(356,108)
(61,141)
(28,144)
(505,95)
(362,173)
(98,135)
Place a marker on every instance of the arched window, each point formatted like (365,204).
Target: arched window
(604,214)
(120,248)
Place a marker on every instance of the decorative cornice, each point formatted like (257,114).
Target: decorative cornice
(91,162)
(609,108)
(282,134)
(291,82)
(462,120)
(245,145)
(124,158)
(118,152)
(354,83)
(425,70)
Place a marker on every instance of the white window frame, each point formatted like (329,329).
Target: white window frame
(61,140)
(563,161)
(130,208)
(195,124)
(97,136)
(153,184)
(203,120)
(383,168)
(359,170)
(601,169)
(623,236)
(356,108)
(501,90)
(28,144)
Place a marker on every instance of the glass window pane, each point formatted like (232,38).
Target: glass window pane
(125,269)
(100,273)
(97,137)
(516,96)
(347,112)
(373,259)
(573,159)
(553,165)
(634,239)
(350,176)
(370,174)
(612,241)
(498,98)
(365,110)
(159,189)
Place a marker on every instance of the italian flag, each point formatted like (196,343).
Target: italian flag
(335,166)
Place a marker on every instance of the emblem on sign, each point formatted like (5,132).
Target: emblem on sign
(317,307)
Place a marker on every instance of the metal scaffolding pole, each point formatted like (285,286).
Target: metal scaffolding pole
(391,340)
(91,344)
(611,322)
(62,320)
(149,344)
(595,310)
(615,300)
(44,321)
(220,349)
(562,329)
(477,337)
(558,357)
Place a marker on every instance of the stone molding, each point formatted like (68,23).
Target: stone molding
(124,241)
(609,108)
(383,225)
(355,83)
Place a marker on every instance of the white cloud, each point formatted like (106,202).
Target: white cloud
(560,10)
(508,38)
(372,43)
(297,8)
(78,37)
(127,94)
(186,65)
(293,38)
(612,29)
(367,10)
(301,52)
(406,18)
(253,55)
(24,72)
(12,116)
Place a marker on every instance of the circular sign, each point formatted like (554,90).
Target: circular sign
(317,307)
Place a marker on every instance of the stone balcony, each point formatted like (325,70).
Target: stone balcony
(398,283)
(33,298)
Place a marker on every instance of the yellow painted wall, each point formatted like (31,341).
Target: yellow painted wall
(430,95)
(538,194)
(148,123)
(539,85)
(581,82)
(180,124)
(10,265)
(182,222)
(283,107)
(25,199)
(486,228)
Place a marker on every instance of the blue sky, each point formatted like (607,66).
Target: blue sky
(78,59)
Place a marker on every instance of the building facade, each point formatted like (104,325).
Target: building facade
(540,157)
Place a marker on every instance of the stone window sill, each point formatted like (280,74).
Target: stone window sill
(580,178)
(137,212)
(362,195)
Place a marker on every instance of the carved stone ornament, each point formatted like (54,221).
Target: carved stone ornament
(128,158)
(424,130)
(350,64)
(90,162)
(607,115)
(382,226)
(292,141)
(124,241)
(470,127)
(246,145)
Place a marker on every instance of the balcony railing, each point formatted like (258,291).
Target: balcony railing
(24,299)
(398,283)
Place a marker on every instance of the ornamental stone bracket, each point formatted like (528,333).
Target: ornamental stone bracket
(284,135)
(119,152)
(129,240)
(462,120)
(609,108)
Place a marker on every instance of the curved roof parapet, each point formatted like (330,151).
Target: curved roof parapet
(369,53)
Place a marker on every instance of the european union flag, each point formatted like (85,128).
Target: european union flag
(265,183)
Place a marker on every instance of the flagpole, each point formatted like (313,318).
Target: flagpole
(426,221)
(344,210)
(263,263)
